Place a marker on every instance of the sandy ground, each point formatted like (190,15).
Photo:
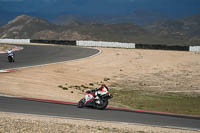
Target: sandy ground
(43,124)
(162,71)
(4,47)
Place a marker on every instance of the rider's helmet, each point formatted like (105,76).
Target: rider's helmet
(9,51)
(103,87)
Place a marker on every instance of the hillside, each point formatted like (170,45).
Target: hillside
(24,27)
(36,28)
(139,17)
(185,31)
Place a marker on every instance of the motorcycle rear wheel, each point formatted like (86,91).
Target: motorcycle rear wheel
(11,59)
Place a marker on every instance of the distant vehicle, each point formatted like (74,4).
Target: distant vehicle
(96,98)
(10,56)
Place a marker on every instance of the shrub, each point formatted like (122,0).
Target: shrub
(60,86)
(91,84)
(65,88)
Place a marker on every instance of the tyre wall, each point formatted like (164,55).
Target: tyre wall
(162,47)
(61,42)
(104,44)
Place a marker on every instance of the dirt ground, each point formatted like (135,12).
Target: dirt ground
(163,71)
(4,47)
(23,123)
(160,71)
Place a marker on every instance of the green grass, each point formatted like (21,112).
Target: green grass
(168,102)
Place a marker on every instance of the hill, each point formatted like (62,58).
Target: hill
(184,31)
(23,27)
(36,28)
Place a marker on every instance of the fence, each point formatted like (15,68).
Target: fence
(194,48)
(104,44)
(17,41)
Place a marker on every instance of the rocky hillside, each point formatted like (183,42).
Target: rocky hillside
(36,28)
(139,17)
(185,31)
(24,27)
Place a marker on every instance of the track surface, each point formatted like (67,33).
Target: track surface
(63,110)
(36,55)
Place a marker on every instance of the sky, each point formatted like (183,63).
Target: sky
(52,8)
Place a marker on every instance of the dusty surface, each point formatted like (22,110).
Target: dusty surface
(161,71)
(18,123)
(4,47)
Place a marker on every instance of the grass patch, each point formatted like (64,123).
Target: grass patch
(65,88)
(60,86)
(168,102)
(91,84)
(83,86)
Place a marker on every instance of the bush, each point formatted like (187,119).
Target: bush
(65,88)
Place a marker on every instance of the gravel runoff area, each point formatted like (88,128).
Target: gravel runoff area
(23,123)
(4,47)
(122,66)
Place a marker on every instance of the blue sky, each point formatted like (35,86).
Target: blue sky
(100,7)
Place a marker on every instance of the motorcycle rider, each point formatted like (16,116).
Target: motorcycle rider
(100,91)
(10,53)
(96,98)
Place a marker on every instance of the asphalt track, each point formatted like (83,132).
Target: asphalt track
(47,54)
(63,110)
(44,54)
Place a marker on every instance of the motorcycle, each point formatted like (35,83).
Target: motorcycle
(95,100)
(11,58)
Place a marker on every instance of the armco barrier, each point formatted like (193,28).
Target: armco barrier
(105,44)
(17,41)
(61,42)
(162,47)
(195,48)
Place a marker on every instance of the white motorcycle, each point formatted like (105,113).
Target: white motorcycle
(96,99)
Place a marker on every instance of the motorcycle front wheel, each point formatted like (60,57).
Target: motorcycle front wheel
(81,103)
(102,105)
